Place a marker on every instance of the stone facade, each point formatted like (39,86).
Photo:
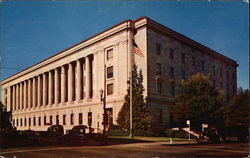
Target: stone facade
(64,89)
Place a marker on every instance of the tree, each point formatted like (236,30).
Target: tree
(198,102)
(5,124)
(237,114)
(141,112)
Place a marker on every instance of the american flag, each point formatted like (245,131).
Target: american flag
(137,50)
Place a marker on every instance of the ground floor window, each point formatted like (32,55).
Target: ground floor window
(80,118)
(64,119)
(72,119)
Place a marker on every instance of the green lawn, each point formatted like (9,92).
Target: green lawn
(154,139)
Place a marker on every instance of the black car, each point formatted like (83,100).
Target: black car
(72,137)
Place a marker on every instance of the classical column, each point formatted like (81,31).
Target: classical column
(56,86)
(9,99)
(34,92)
(21,95)
(14,97)
(70,81)
(94,75)
(63,84)
(79,80)
(87,77)
(39,90)
(50,88)
(29,93)
(25,94)
(44,90)
(18,96)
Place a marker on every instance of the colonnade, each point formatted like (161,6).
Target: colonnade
(67,83)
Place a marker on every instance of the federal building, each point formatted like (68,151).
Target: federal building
(65,88)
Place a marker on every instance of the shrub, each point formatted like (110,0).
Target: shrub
(117,132)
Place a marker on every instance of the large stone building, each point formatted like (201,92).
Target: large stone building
(64,88)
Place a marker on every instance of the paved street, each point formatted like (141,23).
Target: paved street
(147,150)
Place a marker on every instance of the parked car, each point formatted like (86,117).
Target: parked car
(72,137)
(80,128)
(96,138)
(55,130)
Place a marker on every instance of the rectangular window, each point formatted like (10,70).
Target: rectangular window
(171,53)
(220,72)
(158,88)
(183,56)
(158,48)
(72,119)
(203,65)
(13,122)
(227,74)
(214,83)
(57,119)
(159,115)
(80,118)
(193,61)
(213,69)
(64,119)
(21,122)
(110,72)
(183,74)
(29,122)
(44,121)
(172,72)
(34,121)
(51,120)
(221,85)
(39,121)
(89,118)
(110,88)
(233,76)
(158,69)
(173,90)
(110,54)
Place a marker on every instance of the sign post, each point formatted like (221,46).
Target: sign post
(188,123)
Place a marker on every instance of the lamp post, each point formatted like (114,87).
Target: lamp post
(103,99)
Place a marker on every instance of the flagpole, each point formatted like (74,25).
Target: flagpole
(131,95)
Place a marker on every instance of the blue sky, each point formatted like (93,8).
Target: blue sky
(32,31)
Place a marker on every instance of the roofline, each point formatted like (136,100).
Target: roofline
(125,21)
(190,41)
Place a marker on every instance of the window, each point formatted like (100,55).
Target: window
(202,65)
(34,121)
(220,72)
(110,54)
(44,120)
(171,72)
(159,115)
(193,61)
(72,119)
(39,121)
(13,122)
(227,74)
(158,88)
(171,54)
(80,118)
(221,85)
(158,69)
(29,122)
(173,90)
(214,83)
(110,88)
(64,119)
(233,76)
(51,120)
(89,118)
(227,88)
(158,48)
(183,56)
(110,72)
(183,74)
(21,122)
(213,69)
(57,119)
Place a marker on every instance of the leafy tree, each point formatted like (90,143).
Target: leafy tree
(237,114)
(141,112)
(198,102)
(5,124)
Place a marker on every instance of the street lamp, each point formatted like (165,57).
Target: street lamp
(103,99)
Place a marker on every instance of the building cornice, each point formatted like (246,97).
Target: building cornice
(142,21)
(127,24)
